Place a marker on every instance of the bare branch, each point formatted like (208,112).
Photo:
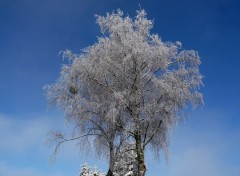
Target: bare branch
(146,131)
(153,134)
(127,130)
(157,71)
(124,73)
(62,139)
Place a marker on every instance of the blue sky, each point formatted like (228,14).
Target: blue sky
(33,32)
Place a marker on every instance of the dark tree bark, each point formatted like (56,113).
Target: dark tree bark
(110,173)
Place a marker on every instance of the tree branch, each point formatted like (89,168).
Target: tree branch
(146,131)
(62,139)
(94,79)
(153,134)
(157,71)
(99,127)
(129,131)
(120,70)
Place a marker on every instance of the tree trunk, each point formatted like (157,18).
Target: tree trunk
(140,156)
(110,173)
(111,160)
(141,168)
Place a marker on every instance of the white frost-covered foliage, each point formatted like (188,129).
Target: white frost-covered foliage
(129,82)
(126,163)
(86,171)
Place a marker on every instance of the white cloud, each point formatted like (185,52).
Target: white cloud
(18,135)
(199,162)
(8,170)
(195,162)
(205,145)
(23,149)
(209,149)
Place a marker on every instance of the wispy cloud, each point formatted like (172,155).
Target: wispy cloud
(198,162)
(19,135)
(198,148)
(9,170)
(205,145)
(24,151)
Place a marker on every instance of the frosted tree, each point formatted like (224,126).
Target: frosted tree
(129,84)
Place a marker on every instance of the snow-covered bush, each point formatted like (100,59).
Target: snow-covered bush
(126,163)
(86,171)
